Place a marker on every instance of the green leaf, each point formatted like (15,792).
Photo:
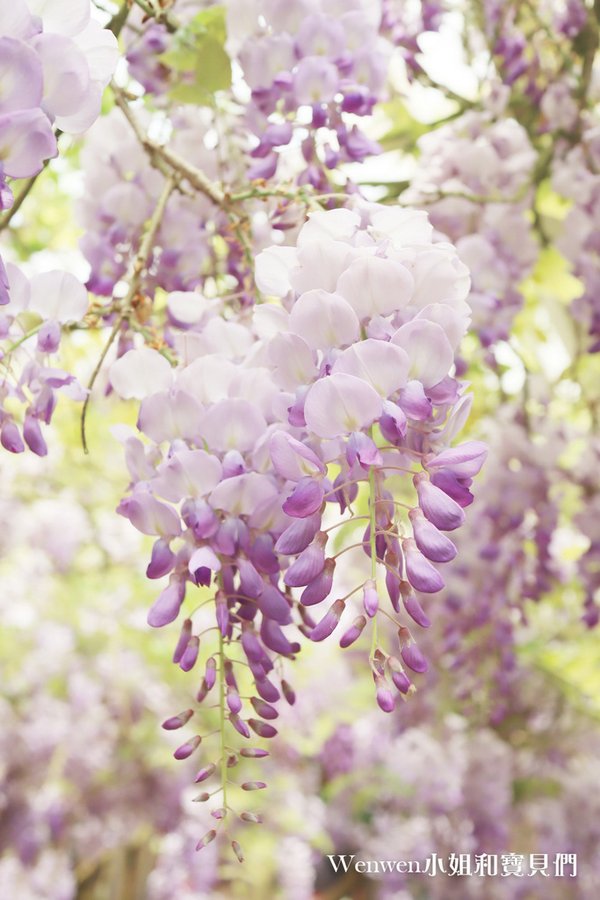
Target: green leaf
(198,53)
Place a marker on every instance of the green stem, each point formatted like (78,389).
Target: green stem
(372,540)
(222,718)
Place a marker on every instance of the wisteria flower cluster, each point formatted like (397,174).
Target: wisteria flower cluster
(343,387)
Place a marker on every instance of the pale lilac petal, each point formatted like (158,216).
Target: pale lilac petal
(428,348)
(291,459)
(233,424)
(324,320)
(341,404)
(170,414)
(140,373)
(305,499)
(149,515)
(59,296)
(293,361)
(383,365)
(26,141)
(66,74)
(272,272)
(21,78)
(375,286)
(62,16)
(465,461)
(243,493)
(402,226)
(331,224)
(204,558)
(187,473)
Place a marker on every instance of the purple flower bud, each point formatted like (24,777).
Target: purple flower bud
(210,674)
(399,676)
(263,709)
(267,689)
(413,658)
(188,748)
(298,535)
(318,589)
(178,721)
(413,400)
(222,612)
(233,700)
(201,798)
(48,339)
(262,729)
(353,633)
(305,499)
(190,654)
(255,818)
(207,839)
(32,432)
(239,725)
(233,464)
(419,571)
(253,786)
(219,813)
(413,607)
(393,423)
(238,851)
(430,541)
(438,507)
(166,608)
(288,692)
(362,449)
(273,637)
(251,584)
(456,488)
(10,437)
(254,753)
(252,646)
(309,564)
(392,580)
(344,493)
(329,622)
(205,773)
(370,598)
(232,760)
(385,698)
(274,604)
(262,555)
(161,561)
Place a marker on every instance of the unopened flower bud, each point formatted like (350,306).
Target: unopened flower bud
(190,654)
(205,773)
(288,692)
(370,598)
(263,709)
(354,632)
(253,785)
(255,818)
(262,729)
(238,851)
(254,752)
(239,725)
(207,839)
(178,721)
(329,622)
(188,748)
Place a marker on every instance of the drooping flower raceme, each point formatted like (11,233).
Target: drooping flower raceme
(342,389)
